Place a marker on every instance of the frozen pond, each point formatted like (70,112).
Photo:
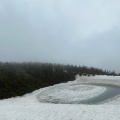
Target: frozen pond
(79,94)
(110,93)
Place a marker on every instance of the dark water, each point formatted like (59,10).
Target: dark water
(110,93)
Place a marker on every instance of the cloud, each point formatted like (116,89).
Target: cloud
(76,32)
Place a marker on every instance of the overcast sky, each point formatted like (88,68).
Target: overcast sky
(79,32)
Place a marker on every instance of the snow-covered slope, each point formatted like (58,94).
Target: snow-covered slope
(28,107)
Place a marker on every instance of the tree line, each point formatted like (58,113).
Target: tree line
(17,79)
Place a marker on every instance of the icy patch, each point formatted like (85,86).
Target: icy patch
(70,93)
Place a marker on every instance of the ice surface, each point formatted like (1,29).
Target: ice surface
(70,93)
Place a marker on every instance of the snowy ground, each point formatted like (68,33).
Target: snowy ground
(29,107)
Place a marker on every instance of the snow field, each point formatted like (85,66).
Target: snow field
(102,79)
(28,107)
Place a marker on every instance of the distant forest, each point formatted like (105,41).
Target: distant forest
(17,79)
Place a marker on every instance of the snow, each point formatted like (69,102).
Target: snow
(70,93)
(29,107)
(110,80)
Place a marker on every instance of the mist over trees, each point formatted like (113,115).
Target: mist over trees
(17,79)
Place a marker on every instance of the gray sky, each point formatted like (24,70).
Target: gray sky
(80,32)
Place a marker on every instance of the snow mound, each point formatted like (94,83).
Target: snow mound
(70,93)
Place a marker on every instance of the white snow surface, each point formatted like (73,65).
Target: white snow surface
(29,107)
(69,93)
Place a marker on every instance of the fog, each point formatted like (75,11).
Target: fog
(79,32)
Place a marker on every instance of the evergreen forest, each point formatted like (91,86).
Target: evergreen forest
(17,79)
